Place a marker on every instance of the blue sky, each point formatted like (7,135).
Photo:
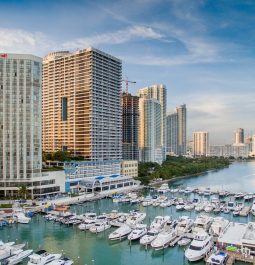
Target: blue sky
(203,51)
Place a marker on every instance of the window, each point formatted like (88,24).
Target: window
(64,108)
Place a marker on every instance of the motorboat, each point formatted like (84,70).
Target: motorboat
(19,257)
(189,206)
(159,222)
(147,201)
(9,249)
(218,258)
(120,220)
(163,239)
(187,190)
(164,188)
(99,227)
(120,233)
(180,206)
(138,232)
(199,247)
(207,192)
(149,237)
(184,225)
(218,225)
(87,224)
(184,241)
(135,218)
(196,201)
(248,197)
(166,203)
(238,195)
(63,261)
(202,224)
(19,217)
(209,208)
(42,257)
(200,207)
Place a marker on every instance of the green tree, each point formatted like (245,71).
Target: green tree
(23,191)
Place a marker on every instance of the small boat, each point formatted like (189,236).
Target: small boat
(164,188)
(231,205)
(218,258)
(226,210)
(149,237)
(20,217)
(180,206)
(147,201)
(238,195)
(202,224)
(184,241)
(248,197)
(184,225)
(120,233)
(199,247)
(189,206)
(209,208)
(236,213)
(42,257)
(19,257)
(135,218)
(138,232)
(188,190)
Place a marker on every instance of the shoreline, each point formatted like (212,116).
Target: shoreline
(182,177)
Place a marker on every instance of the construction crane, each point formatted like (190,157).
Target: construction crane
(127,82)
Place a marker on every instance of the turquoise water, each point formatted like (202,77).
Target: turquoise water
(87,248)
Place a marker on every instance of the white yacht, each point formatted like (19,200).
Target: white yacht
(135,218)
(180,206)
(138,232)
(209,208)
(159,222)
(99,227)
(42,257)
(231,205)
(8,249)
(184,225)
(149,237)
(218,226)
(87,224)
(166,203)
(188,190)
(120,233)
(163,239)
(199,247)
(20,217)
(19,257)
(189,206)
(202,224)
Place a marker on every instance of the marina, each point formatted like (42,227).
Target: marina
(86,247)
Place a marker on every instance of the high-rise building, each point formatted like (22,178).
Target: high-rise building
(130,127)
(200,143)
(157,92)
(82,104)
(176,130)
(150,130)
(239,136)
(182,129)
(20,131)
(172,134)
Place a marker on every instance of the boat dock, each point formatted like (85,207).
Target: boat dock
(245,211)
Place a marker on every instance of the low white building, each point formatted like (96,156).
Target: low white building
(235,150)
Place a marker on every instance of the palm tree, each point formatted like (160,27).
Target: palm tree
(23,191)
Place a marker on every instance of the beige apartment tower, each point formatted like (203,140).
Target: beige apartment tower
(200,144)
(81,104)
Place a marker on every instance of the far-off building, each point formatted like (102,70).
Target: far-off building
(200,144)
(239,136)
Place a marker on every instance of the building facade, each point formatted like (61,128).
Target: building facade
(176,131)
(157,92)
(20,132)
(200,144)
(150,144)
(172,134)
(129,168)
(230,150)
(239,136)
(82,104)
(182,129)
(130,127)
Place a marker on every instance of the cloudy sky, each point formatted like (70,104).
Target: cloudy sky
(203,51)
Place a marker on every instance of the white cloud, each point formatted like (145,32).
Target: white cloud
(21,41)
(116,37)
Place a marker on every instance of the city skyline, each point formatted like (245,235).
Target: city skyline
(172,40)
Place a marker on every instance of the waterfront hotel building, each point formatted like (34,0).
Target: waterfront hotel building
(82,104)
(20,127)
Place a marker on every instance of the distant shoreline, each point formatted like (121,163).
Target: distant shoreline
(154,184)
